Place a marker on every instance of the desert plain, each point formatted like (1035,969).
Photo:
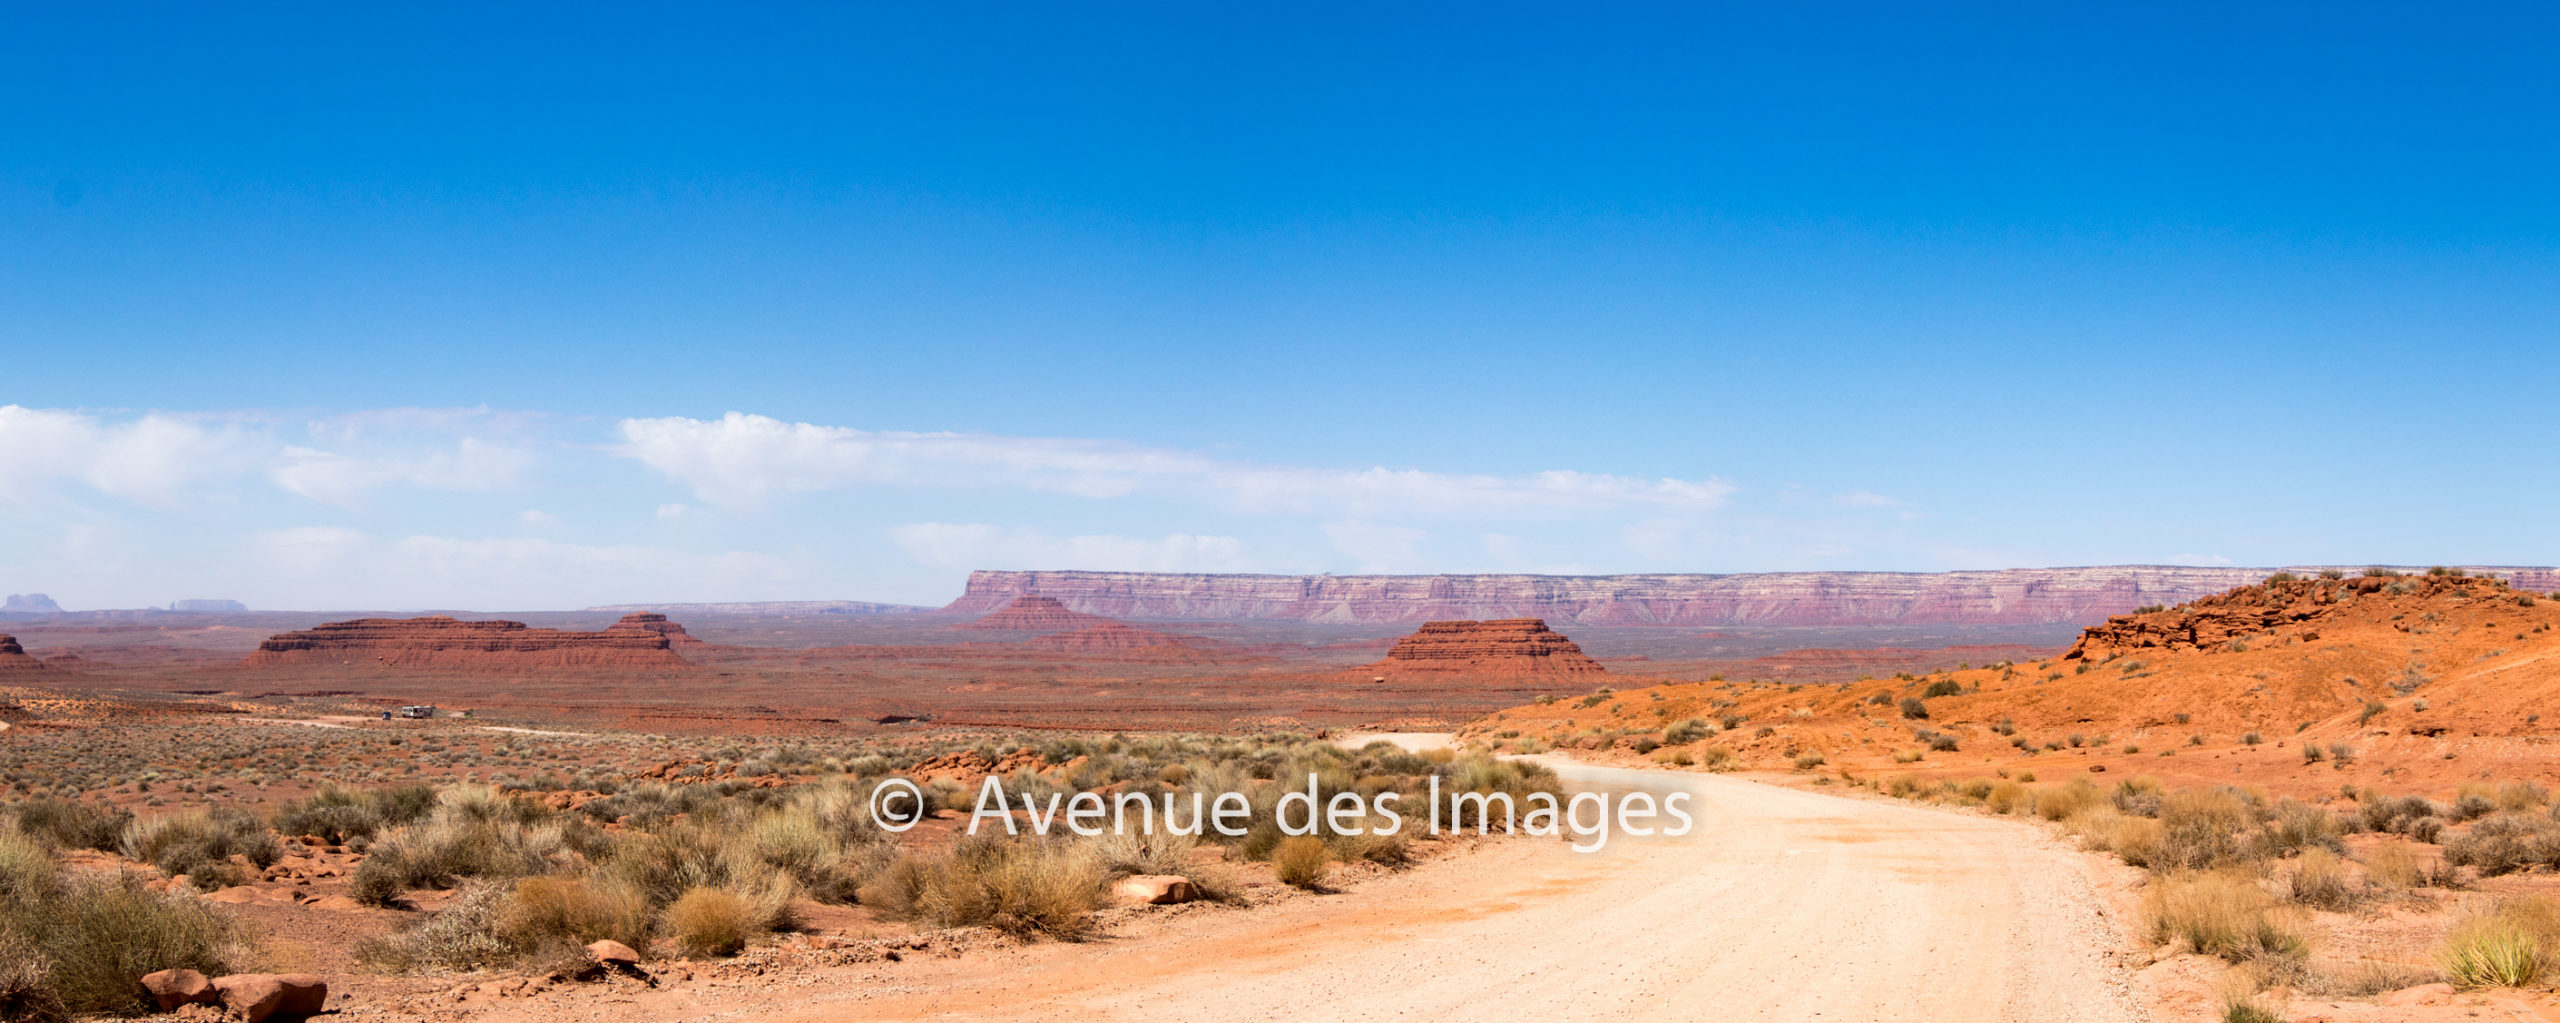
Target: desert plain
(2319,792)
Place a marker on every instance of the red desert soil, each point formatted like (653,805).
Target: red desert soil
(640,641)
(2425,681)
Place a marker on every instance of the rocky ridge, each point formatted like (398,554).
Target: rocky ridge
(2024,596)
(437,641)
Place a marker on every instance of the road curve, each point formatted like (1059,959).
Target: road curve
(1782,905)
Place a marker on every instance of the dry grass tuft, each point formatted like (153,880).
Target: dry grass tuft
(1301,861)
(2224,915)
(710,922)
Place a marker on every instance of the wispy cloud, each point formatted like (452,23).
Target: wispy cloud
(742,459)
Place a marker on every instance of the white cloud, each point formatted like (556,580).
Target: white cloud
(977,545)
(1377,547)
(156,459)
(347,481)
(741,459)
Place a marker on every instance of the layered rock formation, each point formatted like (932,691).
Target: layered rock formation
(855,608)
(651,621)
(441,642)
(1513,646)
(1036,613)
(2026,596)
(14,659)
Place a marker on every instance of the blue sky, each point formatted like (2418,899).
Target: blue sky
(482,307)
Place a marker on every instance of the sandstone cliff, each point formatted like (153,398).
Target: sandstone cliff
(442,642)
(1516,646)
(2026,596)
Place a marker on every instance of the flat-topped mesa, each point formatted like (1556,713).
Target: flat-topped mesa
(651,621)
(1502,646)
(1032,612)
(13,658)
(441,642)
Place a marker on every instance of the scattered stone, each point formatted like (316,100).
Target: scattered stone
(170,989)
(256,997)
(1152,889)
(613,953)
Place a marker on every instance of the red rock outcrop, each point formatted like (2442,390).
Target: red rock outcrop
(650,621)
(14,659)
(441,642)
(2277,606)
(2025,596)
(1032,612)
(1511,646)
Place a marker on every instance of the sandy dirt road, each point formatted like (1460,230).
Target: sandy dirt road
(1782,905)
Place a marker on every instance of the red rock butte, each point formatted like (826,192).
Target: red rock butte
(1507,646)
(637,641)
(13,658)
(652,621)
(1032,612)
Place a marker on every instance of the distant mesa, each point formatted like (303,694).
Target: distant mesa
(14,659)
(637,641)
(201,606)
(1507,646)
(30,604)
(651,621)
(1032,612)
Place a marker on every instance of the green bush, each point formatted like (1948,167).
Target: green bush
(201,844)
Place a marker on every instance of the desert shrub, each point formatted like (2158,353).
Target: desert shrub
(26,991)
(2317,880)
(28,872)
(2492,951)
(2060,802)
(71,824)
(465,936)
(1941,687)
(1913,708)
(2519,796)
(337,815)
(2138,795)
(2296,826)
(2203,828)
(1022,887)
(2505,843)
(2007,797)
(1808,760)
(710,922)
(1301,862)
(2471,806)
(556,911)
(201,844)
(2223,915)
(96,933)
(2396,866)
(1716,758)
